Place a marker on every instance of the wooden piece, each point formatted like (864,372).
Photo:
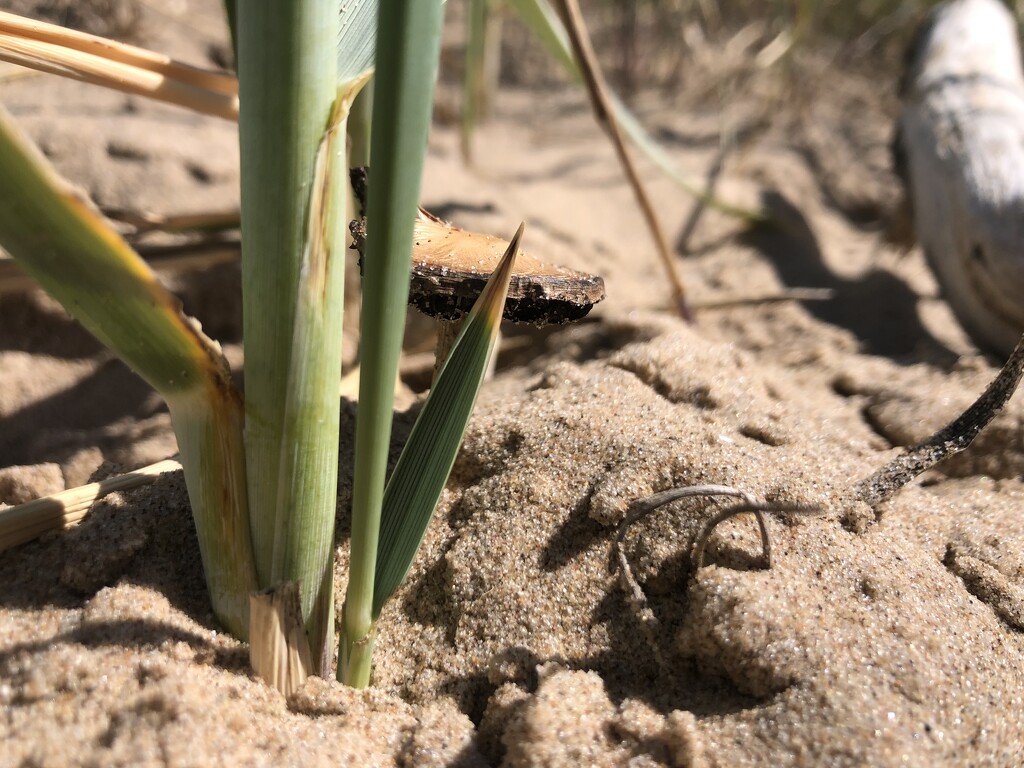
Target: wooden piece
(960,147)
(451,266)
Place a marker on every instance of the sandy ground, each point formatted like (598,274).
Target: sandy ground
(880,639)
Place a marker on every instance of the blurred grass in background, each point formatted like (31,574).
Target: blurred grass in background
(678,46)
(693,46)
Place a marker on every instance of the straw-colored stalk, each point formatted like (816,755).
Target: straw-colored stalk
(92,59)
(604,111)
(279,652)
(26,522)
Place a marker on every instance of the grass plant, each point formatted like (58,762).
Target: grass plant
(262,471)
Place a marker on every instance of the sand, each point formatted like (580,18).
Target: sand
(878,637)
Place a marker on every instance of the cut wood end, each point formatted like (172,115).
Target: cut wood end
(452,265)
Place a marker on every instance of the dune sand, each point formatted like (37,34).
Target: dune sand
(886,637)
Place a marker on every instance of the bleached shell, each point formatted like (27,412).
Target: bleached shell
(962,131)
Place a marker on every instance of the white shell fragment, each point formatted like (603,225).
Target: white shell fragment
(961,137)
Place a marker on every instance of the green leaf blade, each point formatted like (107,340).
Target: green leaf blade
(308,459)
(357,39)
(541,19)
(473,84)
(426,461)
(67,246)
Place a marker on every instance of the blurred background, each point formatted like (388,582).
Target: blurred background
(695,44)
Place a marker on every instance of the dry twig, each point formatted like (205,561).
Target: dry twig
(597,88)
(951,439)
(641,509)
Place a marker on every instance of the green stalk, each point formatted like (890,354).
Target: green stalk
(208,427)
(287,67)
(66,245)
(405,75)
(543,22)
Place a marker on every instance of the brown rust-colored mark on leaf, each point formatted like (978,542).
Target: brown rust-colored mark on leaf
(318,250)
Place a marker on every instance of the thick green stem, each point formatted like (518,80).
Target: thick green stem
(287,64)
(355,659)
(208,426)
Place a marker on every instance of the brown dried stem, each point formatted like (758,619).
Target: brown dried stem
(951,439)
(643,508)
(600,100)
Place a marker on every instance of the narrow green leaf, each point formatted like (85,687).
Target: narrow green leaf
(473,84)
(541,19)
(426,461)
(406,71)
(650,147)
(357,39)
(63,242)
(308,469)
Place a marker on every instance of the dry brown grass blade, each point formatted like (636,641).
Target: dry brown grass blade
(32,519)
(91,59)
(149,221)
(597,88)
(115,51)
